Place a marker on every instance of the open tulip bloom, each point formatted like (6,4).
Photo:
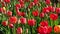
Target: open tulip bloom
(29,17)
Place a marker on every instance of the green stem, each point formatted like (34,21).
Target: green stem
(14,30)
(8,30)
(31,30)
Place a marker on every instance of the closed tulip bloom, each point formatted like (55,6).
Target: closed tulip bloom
(57,29)
(1,9)
(41,15)
(44,30)
(18,5)
(13,20)
(44,23)
(47,1)
(7,1)
(11,25)
(36,1)
(31,5)
(58,10)
(19,30)
(51,8)
(9,13)
(22,3)
(22,13)
(23,20)
(31,22)
(35,13)
(4,23)
(53,16)
(19,13)
(45,10)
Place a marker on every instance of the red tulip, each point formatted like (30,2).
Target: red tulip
(18,5)
(3,4)
(46,10)
(23,20)
(11,25)
(35,13)
(47,1)
(41,15)
(4,23)
(9,13)
(35,1)
(58,10)
(31,4)
(31,22)
(44,30)
(22,13)
(7,1)
(19,30)
(19,13)
(13,19)
(49,29)
(44,23)
(52,9)
(22,3)
(53,16)
(1,9)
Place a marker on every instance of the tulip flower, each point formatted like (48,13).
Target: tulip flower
(4,23)
(53,16)
(9,13)
(41,15)
(23,20)
(7,1)
(35,13)
(1,9)
(57,10)
(45,10)
(47,1)
(11,25)
(19,30)
(31,22)
(44,23)
(44,30)
(13,20)
(18,5)
(57,28)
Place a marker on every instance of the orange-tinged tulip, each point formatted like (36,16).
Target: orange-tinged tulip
(57,29)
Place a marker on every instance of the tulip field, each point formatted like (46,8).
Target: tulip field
(29,16)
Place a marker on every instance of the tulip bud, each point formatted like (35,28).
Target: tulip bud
(1,9)
(4,23)
(19,30)
(31,22)
(7,1)
(57,29)
(11,25)
(44,23)
(13,19)
(53,16)
(42,15)
(9,13)
(35,13)
(23,20)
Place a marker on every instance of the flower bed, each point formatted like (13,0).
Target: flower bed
(29,17)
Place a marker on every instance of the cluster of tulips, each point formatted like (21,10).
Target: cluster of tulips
(29,17)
